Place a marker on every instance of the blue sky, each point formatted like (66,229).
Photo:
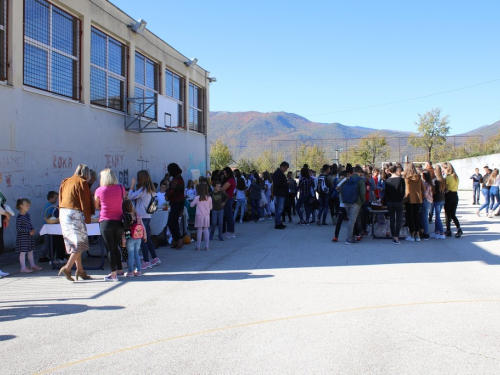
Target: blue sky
(321,59)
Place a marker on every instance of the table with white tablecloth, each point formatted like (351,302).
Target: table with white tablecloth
(55,230)
(159,221)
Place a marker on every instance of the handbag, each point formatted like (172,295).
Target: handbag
(153,205)
(263,199)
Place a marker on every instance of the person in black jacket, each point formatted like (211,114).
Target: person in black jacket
(394,194)
(280,191)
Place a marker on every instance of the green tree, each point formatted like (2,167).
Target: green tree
(247,165)
(492,145)
(313,156)
(432,131)
(220,156)
(371,148)
(265,162)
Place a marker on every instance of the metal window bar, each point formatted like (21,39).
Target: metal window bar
(196,100)
(146,82)
(174,89)
(3,40)
(51,49)
(108,65)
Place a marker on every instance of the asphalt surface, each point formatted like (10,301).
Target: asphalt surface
(269,301)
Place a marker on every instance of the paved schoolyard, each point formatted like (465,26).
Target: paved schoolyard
(270,301)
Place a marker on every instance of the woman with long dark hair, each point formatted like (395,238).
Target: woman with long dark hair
(229,186)
(175,195)
(451,201)
(438,202)
(241,189)
(141,196)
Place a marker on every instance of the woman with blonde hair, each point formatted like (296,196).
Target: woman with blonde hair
(451,201)
(75,210)
(141,198)
(108,199)
(414,192)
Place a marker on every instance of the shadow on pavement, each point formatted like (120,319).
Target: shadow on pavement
(17,312)
(7,337)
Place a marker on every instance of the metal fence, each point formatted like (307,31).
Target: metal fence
(336,149)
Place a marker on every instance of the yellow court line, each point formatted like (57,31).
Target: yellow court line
(255,323)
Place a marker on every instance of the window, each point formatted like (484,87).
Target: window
(3,40)
(196,100)
(108,71)
(146,84)
(174,88)
(51,49)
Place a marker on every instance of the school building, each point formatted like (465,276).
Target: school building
(83,82)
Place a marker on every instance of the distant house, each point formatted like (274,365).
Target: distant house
(83,82)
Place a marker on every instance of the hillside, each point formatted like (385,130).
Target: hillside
(249,133)
(486,131)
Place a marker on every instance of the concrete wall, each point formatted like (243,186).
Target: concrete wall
(465,168)
(43,137)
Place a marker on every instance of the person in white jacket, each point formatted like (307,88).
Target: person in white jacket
(141,196)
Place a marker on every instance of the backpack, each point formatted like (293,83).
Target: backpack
(131,227)
(350,190)
(321,187)
(153,205)
(335,193)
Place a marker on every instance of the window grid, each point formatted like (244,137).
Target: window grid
(51,49)
(146,84)
(196,101)
(3,40)
(100,76)
(174,88)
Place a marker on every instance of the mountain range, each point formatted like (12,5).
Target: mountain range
(249,133)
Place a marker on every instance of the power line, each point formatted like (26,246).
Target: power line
(405,100)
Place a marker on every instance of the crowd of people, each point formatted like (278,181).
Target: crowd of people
(409,195)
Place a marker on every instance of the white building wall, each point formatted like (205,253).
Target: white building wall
(44,137)
(465,168)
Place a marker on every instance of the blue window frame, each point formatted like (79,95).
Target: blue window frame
(146,84)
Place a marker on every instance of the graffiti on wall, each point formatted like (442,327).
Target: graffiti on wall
(113,160)
(11,161)
(123,177)
(62,160)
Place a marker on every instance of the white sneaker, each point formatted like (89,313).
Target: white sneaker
(441,237)
(410,239)
(3,274)
(433,235)
(262,219)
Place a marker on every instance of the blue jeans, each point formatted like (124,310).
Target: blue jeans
(438,207)
(240,203)
(476,188)
(486,204)
(228,213)
(324,201)
(148,245)
(494,196)
(279,203)
(424,214)
(217,219)
(254,203)
(304,200)
(133,247)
